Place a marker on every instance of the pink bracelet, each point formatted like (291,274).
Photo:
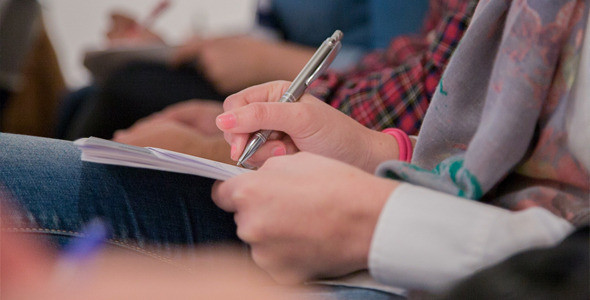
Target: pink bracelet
(403,142)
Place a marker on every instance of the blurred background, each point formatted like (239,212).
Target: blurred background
(43,44)
(74,26)
(50,47)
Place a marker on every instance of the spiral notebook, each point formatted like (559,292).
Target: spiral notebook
(103,151)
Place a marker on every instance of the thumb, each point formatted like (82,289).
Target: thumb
(270,149)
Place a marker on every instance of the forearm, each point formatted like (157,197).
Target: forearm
(283,61)
(430,240)
(381,147)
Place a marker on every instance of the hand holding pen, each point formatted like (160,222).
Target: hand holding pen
(124,30)
(318,63)
(156,12)
(309,125)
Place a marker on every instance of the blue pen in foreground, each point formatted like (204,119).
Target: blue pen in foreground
(81,250)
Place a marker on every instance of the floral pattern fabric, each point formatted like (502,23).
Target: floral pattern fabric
(496,128)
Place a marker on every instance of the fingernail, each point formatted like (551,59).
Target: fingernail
(278,151)
(226,121)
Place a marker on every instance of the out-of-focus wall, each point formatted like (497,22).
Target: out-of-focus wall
(76,25)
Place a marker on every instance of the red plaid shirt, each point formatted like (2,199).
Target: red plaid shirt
(393,87)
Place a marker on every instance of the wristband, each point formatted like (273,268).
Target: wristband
(403,142)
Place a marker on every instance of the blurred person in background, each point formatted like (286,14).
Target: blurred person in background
(388,88)
(19,27)
(285,36)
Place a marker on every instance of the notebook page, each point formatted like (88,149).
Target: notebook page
(103,151)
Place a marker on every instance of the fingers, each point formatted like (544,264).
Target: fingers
(236,193)
(267,92)
(222,195)
(274,115)
(294,119)
(189,112)
(121,25)
(272,148)
(256,108)
(119,16)
(244,196)
(291,118)
(123,135)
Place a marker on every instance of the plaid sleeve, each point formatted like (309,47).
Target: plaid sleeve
(393,88)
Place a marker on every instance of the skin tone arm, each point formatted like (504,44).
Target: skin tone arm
(321,231)
(187,127)
(231,63)
(175,136)
(237,62)
(29,272)
(125,31)
(340,203)
(309,125)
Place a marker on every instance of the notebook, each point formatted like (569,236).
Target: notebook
(102,62)
(103,151)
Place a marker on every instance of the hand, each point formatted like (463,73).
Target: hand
(236,62)
(231,63)
(310,124)
(29,273)
(175,136)
(197,114)
(305,216)
(125,31)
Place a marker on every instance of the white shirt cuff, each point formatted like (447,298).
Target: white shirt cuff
(429,240)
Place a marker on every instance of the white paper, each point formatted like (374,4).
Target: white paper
(103,151)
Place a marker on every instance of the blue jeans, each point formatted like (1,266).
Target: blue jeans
(148,211)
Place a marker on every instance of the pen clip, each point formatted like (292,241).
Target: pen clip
(325,63)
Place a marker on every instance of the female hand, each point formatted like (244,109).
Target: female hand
(305,216)
(198,114)
(125,31)
(310,124)
(175,136)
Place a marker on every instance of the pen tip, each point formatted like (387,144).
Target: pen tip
(245,155)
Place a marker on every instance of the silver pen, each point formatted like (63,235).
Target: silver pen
(316,65)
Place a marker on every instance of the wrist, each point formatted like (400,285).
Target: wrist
(375,199)
(382,147)
(404,143)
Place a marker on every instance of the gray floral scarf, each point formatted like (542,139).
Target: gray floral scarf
(496,128)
